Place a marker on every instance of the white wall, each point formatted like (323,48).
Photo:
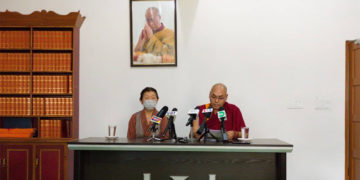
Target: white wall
(272,55)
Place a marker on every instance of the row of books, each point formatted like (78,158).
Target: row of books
(61,84)
(14,106)
(52,62)
(52,84)
(42,62)
(41,106)
(14,84)
(14,61)
(52,106)
(52,40)
(52,128)
(14,39)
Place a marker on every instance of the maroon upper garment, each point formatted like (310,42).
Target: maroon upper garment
(234,117)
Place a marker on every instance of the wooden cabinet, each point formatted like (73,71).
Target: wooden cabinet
(50,162)
(39,161)
(17,162)
(39,89)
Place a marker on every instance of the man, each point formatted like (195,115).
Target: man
(154,37)
(218,96)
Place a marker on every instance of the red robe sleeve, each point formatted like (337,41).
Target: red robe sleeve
(238,120)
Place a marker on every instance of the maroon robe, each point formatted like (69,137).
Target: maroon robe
(234,117)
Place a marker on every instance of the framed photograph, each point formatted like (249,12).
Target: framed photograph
(153,33)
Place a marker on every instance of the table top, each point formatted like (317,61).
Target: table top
(124,144)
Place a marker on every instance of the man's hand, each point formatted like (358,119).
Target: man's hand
(142,39)
(148,31)
(233,134)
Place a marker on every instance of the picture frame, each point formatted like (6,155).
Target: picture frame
(153,39)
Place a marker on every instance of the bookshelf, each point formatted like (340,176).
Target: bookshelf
(39,84)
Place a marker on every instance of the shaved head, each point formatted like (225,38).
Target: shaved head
(153,18)
(219,86)
(218,96)
(153,10)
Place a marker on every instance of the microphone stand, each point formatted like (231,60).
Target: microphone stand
(191,134)
(172,132)
(153,128)
(206,132)
(224,136)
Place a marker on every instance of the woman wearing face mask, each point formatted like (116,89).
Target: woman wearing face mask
(140,122)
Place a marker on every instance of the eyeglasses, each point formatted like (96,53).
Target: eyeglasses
(220,98)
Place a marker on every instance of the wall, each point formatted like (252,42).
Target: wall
(283,62)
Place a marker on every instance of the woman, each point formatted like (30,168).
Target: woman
(140,122)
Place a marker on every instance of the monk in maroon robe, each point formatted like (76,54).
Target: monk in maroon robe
(234,120)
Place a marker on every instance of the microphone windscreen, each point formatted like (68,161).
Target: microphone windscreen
(221,113)
(162,112)
(160,115)
(207,112)
(193,111)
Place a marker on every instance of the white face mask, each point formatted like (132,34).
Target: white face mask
(149,104)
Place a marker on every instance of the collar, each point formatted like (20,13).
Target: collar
(159,29)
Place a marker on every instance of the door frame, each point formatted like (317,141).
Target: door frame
(348,47)
(349,66)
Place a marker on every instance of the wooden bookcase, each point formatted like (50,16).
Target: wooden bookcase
(39,88)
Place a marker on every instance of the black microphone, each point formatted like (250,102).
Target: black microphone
(207,115)
(171,119)
(192,113)
(222,116)
(159,116)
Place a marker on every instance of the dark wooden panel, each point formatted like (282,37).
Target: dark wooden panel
(117,165)
(356,66)
(18,162)
(355,103)
(356,169)
(51,162)
(355,134)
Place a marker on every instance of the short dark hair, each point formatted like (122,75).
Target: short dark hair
(148,89)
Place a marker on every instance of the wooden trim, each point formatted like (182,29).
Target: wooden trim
(349,46)
(68,165)
(34,169)
(31,141)
(40,19)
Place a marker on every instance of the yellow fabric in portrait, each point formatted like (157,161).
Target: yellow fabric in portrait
(162,42)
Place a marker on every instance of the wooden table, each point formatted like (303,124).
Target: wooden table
(135,159)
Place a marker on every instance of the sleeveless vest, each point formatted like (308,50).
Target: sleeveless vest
(139,128)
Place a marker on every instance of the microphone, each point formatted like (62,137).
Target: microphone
(222,116)
(207,114)
(159,116)
(192,113)
(171,115)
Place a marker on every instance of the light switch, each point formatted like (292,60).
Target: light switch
(296,104)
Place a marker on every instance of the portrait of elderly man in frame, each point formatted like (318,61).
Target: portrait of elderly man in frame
(153,32)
